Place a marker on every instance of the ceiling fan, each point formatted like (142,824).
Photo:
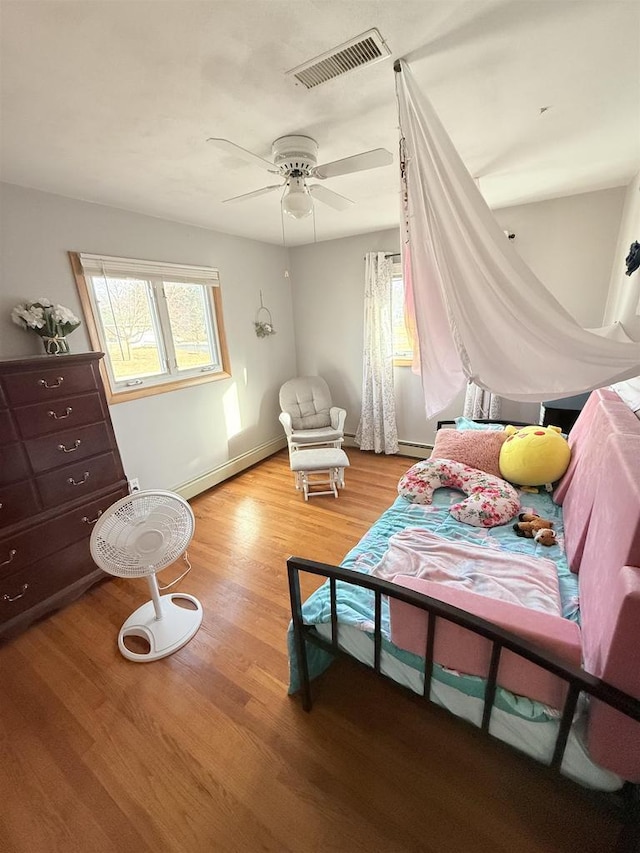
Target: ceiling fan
(295,160)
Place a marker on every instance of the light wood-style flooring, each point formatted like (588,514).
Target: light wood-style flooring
(204,751)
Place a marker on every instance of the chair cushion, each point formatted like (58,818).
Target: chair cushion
(316,436)
(318,459)
(308,400)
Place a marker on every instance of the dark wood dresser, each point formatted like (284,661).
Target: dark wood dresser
(59,470)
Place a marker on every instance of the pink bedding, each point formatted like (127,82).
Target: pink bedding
(530,582)
(459,649)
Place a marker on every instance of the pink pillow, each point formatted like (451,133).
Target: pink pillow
(476,448)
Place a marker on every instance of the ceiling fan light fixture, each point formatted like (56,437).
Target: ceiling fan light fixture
(297,202)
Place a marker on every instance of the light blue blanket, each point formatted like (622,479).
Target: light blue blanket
(356,605)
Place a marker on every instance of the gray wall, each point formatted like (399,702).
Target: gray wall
(169,439)
(328,307)
(568,242)
(623,303)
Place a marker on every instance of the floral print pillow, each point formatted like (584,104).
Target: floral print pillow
(491,501)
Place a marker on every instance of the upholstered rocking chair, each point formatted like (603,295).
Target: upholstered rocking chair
(308,416)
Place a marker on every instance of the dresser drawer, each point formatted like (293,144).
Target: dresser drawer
(7,430)
(26,588)
(68,446)
(17,501)
(19,551)
(46,418)
(71,482)
(13,464)
(49,384)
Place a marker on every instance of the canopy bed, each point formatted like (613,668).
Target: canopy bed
(555,679)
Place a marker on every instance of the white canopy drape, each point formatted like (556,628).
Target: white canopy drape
(480,312)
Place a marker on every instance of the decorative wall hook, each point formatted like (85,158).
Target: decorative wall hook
(263,323)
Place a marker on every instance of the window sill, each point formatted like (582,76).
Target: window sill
(402,362)
(114,397)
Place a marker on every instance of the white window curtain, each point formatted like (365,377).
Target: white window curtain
(377,428)
(479,403)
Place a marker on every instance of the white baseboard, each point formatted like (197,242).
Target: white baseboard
(418,451)
(405,448)
(240,463)
(228,469)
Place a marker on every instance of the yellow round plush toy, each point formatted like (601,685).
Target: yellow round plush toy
(534,455)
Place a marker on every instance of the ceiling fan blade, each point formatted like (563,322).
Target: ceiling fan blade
(253,194)
(335,200)
(356,163)
(249,156)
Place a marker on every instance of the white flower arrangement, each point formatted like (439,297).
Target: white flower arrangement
(45,318)
(263,330)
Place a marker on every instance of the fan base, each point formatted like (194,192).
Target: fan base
(165,636)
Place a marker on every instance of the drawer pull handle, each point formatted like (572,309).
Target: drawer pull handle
(67,412)
(12,554)
(73,482)
(88,520)
(76,445)
(23,589)
(56,384)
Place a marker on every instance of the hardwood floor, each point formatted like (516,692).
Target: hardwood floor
(204,750)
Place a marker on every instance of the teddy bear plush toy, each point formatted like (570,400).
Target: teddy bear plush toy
(533,527)
(545,536)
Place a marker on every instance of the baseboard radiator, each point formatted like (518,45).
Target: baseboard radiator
(229,468)
(415,449)
(240,463)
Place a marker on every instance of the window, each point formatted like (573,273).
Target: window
(402,347)
(159,325)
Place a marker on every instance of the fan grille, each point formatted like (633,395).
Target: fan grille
(142,533)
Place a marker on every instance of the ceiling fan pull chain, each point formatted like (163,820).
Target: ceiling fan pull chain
(284,243)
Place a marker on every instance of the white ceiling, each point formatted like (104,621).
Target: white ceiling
(112,102)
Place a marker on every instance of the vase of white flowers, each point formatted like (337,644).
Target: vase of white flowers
(57,345)
(51,322)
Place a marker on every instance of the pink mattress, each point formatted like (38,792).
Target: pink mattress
(604,414)
(610,602)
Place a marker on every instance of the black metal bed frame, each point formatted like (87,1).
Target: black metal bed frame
(578,680)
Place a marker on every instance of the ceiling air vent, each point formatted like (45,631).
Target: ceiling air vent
(361,50)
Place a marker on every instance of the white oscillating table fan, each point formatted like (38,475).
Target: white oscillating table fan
(136,537)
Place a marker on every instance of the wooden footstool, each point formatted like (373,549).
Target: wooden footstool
(325,464)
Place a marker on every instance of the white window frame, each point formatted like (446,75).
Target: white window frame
(86,267)
(400,359)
